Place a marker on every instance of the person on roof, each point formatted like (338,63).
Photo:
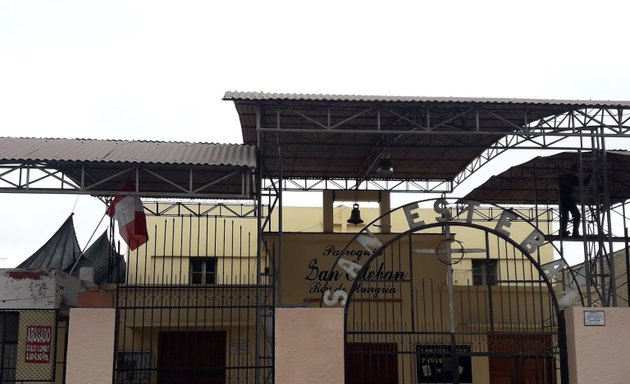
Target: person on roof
(566,184)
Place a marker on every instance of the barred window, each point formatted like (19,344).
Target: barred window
(203,270)
(9,322)
(484,271)
(133,367)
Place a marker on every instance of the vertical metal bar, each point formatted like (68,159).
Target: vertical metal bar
(82,186)
(523,291)
(477,125)
(190,181)
(249,309)
(137,179)
(233,290)
(143,304)
(161,290)
(451,304)
(526,285)
(607,213)
(486,279)
(55,343)
(170,288)
(328,118)
(425,327)
(411,285)
(627,252)
(562,341)
(509,286)
(259,250)
(152,301)
(65,347)
(117,325)
(243,294)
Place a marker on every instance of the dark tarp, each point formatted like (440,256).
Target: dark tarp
(60,252)
(536,181)
(109,265)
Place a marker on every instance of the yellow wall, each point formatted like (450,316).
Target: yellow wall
(173,240)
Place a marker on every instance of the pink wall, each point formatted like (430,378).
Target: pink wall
(90,346)
(309,345)
(599,354)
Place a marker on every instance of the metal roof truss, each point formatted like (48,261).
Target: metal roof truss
(150,180)
(291,135)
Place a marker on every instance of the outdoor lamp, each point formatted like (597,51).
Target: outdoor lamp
(385,167)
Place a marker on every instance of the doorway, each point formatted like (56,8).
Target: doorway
(371,363)
(192,357)
(533,364)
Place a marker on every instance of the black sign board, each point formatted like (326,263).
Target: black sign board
(436,363)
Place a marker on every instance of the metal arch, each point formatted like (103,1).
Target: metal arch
(379,251)
(561,339)
(556,128)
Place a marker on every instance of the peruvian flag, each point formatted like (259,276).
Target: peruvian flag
(132,222)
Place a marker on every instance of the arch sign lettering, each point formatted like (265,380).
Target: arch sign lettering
(441,216)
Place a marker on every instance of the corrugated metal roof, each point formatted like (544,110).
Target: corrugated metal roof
(261,96)
(427,138)
(121,151)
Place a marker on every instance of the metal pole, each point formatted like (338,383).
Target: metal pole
(451,306)
(625,234)
(259,169)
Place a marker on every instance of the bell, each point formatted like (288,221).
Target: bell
(355,215)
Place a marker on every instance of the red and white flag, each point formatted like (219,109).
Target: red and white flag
(132,222)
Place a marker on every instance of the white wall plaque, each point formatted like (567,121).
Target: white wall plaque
(594,318)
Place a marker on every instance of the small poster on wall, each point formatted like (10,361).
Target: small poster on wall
(436,363)
(38,343)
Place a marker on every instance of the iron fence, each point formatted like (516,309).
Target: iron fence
(32,346)
(197,305)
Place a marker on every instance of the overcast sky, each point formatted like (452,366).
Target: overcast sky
(151,70)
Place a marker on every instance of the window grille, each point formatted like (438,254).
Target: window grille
(133,367)
(484,271)
(203,271)
(9,323)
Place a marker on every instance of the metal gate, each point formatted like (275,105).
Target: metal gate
(451,313)
(196,306)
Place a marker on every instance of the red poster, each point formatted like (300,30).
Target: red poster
(38,343)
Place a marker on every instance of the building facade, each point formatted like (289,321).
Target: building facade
(198,305)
